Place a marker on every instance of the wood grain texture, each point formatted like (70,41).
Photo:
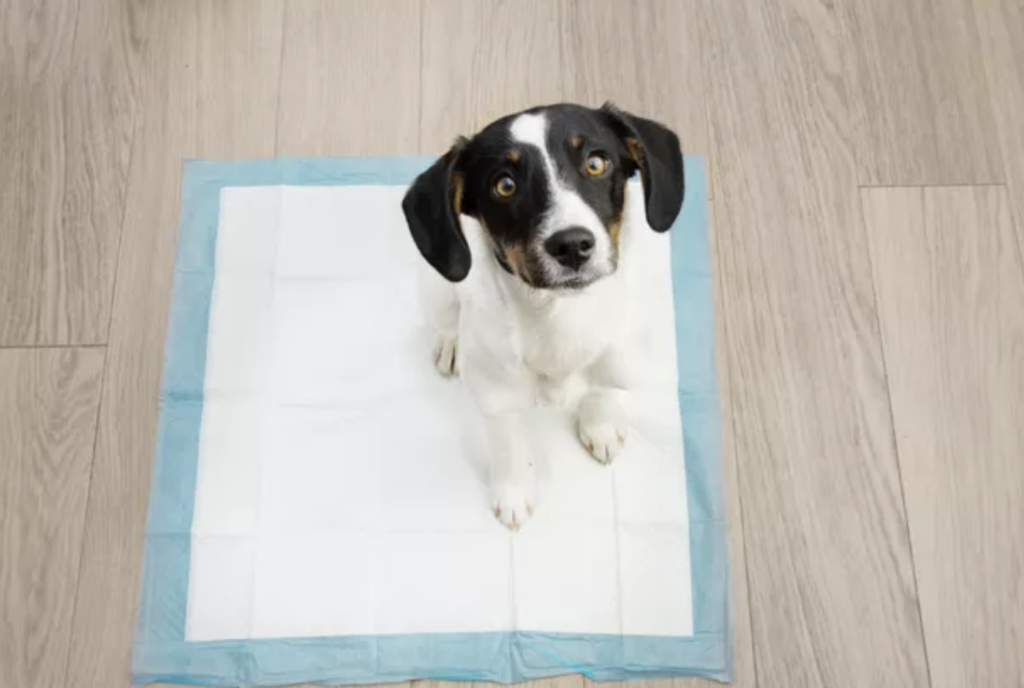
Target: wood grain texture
(48,405)
(1001,30)
(950,280)
(484,60)
(919,108)
(831,583)
(183,113)
(744,670)
(36,42)
(112,556)
(238,75)
(350,78)
(37,47)
(66,117)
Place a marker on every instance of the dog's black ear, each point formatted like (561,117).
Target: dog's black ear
(432,207)
(656,152)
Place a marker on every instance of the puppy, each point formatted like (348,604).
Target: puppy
(531,281)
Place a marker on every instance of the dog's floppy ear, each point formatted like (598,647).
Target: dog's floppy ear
(432,206)
(655,150)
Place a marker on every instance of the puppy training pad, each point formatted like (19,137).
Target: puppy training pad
(319,509)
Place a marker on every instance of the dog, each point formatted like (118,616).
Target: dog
(529,276)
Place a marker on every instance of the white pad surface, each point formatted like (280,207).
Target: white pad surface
(341,483)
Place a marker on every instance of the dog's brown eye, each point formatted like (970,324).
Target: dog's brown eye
(597,165)
(505,186)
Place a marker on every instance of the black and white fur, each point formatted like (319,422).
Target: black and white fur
(534,205)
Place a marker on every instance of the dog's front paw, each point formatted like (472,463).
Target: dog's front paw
(512,504)
(445,355)
(602,425)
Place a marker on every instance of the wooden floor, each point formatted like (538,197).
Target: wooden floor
(867,161)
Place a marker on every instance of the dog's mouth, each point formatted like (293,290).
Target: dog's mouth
(574,283)
(558,279)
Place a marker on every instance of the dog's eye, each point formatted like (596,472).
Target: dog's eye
(505,187)
(597,165)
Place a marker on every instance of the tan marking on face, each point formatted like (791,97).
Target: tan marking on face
(512,156)
(576,142)
(615,230)
(515,256)
(457,189)
(615,227)
(636,151)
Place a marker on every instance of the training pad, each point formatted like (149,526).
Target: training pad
(320,510)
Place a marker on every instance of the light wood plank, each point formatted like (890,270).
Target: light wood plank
(744,674)
(950,280)
(112,559)
(36,40)
(48,404)
(238,74)
(1001,29)
(831,583)
(920,110)
(37,46)
(185,111)
(350,78)
(485,60)
(643,56)
(66,138)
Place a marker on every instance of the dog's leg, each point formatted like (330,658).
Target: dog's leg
(503,394)
(513,481)
(441,308)
(601,421)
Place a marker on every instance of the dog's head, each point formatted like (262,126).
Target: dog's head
(548,186)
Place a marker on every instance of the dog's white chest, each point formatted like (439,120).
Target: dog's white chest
(568,333)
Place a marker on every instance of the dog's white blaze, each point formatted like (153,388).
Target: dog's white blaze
(567,208)
(532,130)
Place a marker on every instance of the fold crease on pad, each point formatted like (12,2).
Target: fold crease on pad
(281,548)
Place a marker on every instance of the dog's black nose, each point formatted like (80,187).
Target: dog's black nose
(571,247)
